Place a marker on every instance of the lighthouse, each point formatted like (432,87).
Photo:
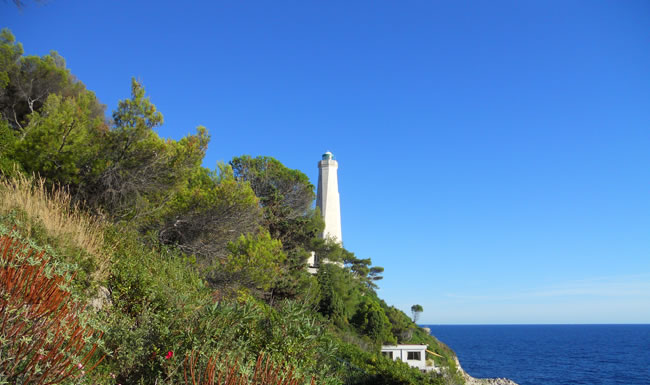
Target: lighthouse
(327,197)
(329,203)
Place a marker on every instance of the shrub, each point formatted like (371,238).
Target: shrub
(266,372)
(287,333)
(371,321)
(154,292)
(42,339)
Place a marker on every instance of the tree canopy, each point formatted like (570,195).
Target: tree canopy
(416,310)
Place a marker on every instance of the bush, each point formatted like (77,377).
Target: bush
(42,336)
(247,327)
(205,371)
(371,321)
(154,293)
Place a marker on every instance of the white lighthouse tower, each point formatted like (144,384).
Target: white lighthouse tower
(328,201)
(327,197)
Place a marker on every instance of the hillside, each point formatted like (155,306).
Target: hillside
(127,262)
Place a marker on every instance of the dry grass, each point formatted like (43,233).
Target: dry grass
(61,219)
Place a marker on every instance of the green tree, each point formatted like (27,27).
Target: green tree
(212,210)
(142,170)
(27,81)
(45,115)
(7,145)
(332,251)
(61,141)
(401,326)
(283,192)
(371,321)
(305,232)
(362,268)
(416,310)
(10,54)
(254,261)
(339,293)
(286,197)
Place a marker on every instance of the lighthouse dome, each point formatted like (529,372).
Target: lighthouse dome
(328,156)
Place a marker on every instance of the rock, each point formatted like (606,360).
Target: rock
(469,380)
(102,299)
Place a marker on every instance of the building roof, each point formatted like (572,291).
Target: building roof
(418,347)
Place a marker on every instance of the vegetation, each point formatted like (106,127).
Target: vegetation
(416,310)
(43,336)
(130,258)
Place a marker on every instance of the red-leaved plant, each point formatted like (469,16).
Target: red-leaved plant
(41,338)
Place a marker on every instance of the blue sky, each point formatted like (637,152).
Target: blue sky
(493,155)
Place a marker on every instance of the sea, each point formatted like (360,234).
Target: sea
(552,354)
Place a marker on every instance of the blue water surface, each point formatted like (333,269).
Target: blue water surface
(552,354)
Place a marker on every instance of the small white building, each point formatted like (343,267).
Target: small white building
(414,355)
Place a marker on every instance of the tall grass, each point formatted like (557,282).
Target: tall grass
(54,210)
